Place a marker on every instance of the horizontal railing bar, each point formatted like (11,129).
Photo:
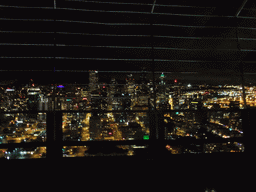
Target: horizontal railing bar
(206,110)
(104,111)
(118,111)
(106,143)
(24,145)
(132,158)
(180,141)
(141,72)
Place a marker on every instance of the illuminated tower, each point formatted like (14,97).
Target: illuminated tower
(113,86)
(104,96)
(143,92)
(112,90)
(176,94)
(130,87)
(143,79)
(33,95)
(162,77)
(93,80)
(162,90)
(143,82)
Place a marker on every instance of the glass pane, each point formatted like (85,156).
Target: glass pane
(23,153)
(22,127)
(105,126)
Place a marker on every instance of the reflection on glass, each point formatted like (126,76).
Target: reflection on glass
(23,153)
(21,127)
(106,126)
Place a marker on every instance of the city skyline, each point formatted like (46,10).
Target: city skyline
(83,77)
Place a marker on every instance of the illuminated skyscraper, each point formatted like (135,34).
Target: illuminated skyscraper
(162,77)
(130,84)
(112,86)
(162,97)
(95,100)
(176,94)
(93,80)
(111,91)
(33,95)
(130,88)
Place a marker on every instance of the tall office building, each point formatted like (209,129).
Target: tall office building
(33,95)
(103,94)
(111,91)
(130,84)
(161,93)
(93,81)
(42,103)
(143,96)
(95,100)
(130,88)
(143,78)
(143,83)
(112,87)
(176,95)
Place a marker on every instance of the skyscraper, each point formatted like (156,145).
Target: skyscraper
(112,87)
(111,91)
(130,87)
(93,81)
(95,100)
(176,94)
(162,97)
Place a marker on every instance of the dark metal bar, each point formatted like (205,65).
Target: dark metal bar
(23,145)
(241,63)
(249,130)
(90,143)
(241,7)
(153,113)
(131,111)
(153,6)
(183,141)
(54,134)
(153,59)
